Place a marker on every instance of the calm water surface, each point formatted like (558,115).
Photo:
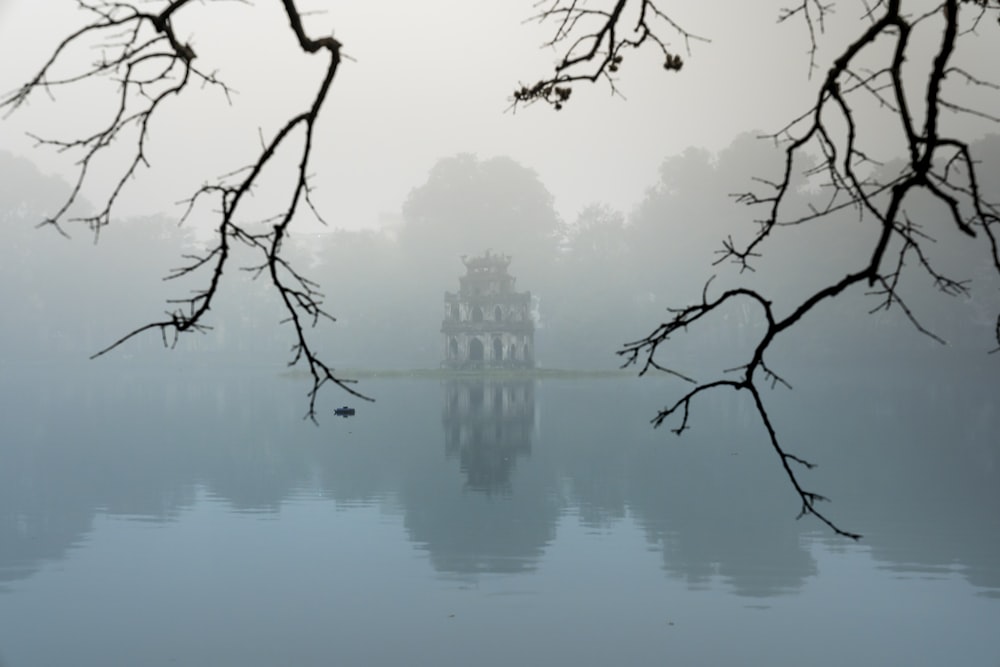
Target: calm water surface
(152,518)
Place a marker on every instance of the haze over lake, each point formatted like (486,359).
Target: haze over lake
(148,519)
(789,232)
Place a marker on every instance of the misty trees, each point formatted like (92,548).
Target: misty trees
(907,74)
(69,312)
(467,204)
(599,291)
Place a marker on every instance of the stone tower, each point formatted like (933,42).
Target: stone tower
(486,323)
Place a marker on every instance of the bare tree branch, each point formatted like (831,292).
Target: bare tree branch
(938,165)
(592,43)
(142,53)
(813,13)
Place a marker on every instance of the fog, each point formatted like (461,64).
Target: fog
(599,280)
(612,209)
(411,96)
(167,504)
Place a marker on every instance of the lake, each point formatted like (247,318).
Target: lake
(189,517)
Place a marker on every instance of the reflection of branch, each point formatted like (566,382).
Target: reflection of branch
(593,43)
(939,166)
(143,54)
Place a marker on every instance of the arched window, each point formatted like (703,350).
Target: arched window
(454,312)
(477,314)
(453,349)
(475,350)
(497,349)
(498,314)
(512,355)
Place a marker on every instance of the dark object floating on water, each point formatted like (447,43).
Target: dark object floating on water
(344,411)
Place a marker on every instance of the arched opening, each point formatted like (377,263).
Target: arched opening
(497,350)
(512,355)
(475,350)
(452,349)
(477,314)
(498,314)
(454,312)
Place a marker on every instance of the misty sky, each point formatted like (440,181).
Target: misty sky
(431,79)
(428,80)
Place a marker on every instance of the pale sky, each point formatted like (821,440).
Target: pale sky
(430,79)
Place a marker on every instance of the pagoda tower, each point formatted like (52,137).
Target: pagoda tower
(487,324)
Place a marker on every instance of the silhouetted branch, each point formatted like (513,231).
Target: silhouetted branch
(141,52)
(592,43)
(813,13)
(939,166)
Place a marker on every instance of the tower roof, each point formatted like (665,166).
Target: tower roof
(487,262)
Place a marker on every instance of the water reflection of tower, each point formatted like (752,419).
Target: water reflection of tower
(488,423)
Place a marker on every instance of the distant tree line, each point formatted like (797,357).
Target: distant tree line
(598,279)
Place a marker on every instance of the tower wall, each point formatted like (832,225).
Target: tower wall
(487,324)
